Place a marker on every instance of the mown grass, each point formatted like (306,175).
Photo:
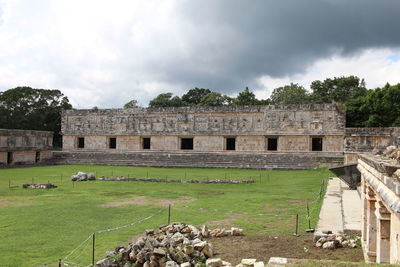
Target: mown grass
(38,227)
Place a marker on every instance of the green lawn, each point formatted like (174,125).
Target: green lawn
(37,227)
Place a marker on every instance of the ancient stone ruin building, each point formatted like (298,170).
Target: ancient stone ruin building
(380,195)
(24,147)
(295,136)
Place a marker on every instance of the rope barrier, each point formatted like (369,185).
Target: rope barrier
(246,213)
(70,263)
(130,224)
(77,247)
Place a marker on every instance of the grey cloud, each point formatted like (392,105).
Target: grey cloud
(242,40)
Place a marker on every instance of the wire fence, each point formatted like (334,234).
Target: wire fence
(73,258)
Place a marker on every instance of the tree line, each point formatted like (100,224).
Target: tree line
(379,107)
(40,109)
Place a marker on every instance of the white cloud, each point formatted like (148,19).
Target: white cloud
(102,53)
(376,66)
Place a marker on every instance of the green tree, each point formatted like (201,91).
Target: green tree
(246,98)
(290,94)
(382,106)
(194,96)
(215,99)
(166,100)
(339,89)
(33,109)
(131,104)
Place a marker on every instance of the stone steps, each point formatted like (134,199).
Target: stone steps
(196,159)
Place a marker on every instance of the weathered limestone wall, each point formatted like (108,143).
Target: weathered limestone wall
(3,158)
(209,143)
(250,143)
(381,209)
(24,146)
(208,126)
(128,142)
(364,140)
(367,139)
(294,143)
(233,120)
(25,140)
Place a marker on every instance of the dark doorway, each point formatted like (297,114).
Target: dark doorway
(113,143)
(10,158)
(81,142)
(230,143)
(272,144)
(146,143)
(37,156)
(316,144)
(187,143)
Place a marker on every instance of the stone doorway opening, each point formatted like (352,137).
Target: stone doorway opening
(37,156)
(187,143)
(316,144)
(10,158)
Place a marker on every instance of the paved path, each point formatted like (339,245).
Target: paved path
(330,216)
(341,209)
(351,210)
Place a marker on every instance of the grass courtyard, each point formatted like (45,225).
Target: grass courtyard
(40,226)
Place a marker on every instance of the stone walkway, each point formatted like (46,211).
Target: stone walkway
(341,209)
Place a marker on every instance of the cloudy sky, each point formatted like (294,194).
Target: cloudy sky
(104,53)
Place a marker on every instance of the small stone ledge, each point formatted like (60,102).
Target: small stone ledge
(154,180)
(38,186)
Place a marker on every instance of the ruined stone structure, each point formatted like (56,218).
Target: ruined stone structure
(304,136)
(288,137)
(380,195)
(24,147)
(362,140)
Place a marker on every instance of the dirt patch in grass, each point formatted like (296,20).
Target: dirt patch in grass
(15,203)
(145,201)
(116,194)
(262,247)
(228,222)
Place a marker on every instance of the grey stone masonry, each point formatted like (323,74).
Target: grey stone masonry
(231,120)
(23,140)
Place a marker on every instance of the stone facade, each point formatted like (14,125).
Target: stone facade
(24,146)
(361,140)
(380,195)
(209,127)
(270,134)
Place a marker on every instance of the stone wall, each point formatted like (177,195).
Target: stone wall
(25,140)
(364,140)
(24,146)
(367,139)
(233,120)
(248,160)
(292,127)
(380,195)
(209,127)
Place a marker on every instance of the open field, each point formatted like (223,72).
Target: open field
(39,226)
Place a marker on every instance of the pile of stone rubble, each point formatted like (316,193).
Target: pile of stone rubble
(221,232)
(332,241)
(155,180)
(39,186)
(173,245)
(81,176)
(392,152)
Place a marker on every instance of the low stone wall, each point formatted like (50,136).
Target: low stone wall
(201,160)
(21,147)
(25,140)
(154,180)
(24,157)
